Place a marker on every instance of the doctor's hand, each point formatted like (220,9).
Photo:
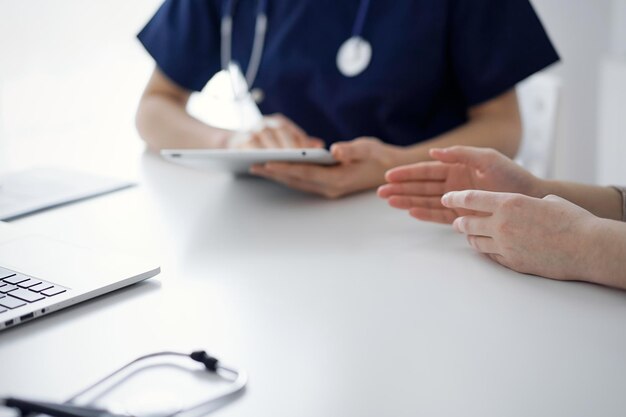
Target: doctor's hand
(276,131)
(419,187)
(550,237)
(362,165)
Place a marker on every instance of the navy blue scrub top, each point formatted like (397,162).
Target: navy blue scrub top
(431,59)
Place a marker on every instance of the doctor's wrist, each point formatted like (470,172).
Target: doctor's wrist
(396,156)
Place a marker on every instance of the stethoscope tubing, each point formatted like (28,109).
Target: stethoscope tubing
(359,22)
(238,380)
(258,43)
(260,30)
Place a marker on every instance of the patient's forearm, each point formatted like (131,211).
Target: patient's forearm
(604,202)
(607,253)
(164,123)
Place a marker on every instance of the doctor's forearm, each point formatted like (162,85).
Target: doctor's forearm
(164,123)
(493,124)
(503,135)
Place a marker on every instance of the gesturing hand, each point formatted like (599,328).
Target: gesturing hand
(419,187)
(548,237)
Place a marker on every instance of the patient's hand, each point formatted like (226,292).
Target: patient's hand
(419,187)
(277,131)
(550,237)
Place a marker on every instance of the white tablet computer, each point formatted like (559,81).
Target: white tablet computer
(240,160)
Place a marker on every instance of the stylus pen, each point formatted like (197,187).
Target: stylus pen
(27,407)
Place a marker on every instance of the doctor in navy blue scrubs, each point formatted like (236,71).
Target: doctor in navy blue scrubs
(414,74)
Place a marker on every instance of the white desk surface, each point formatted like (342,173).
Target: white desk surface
(335,308)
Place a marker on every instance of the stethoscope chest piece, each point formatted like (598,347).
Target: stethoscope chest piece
(354,56)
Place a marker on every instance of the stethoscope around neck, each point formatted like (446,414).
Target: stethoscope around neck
(353,57)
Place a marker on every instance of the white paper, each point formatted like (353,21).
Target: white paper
(37,189)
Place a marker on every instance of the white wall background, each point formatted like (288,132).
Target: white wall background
(618,29)
(581,30)
(71,75)
(71,69)
(587,35)
(611,155)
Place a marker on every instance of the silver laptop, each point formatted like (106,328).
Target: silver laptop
(40,275)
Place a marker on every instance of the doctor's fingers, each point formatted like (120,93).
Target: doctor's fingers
(315,143)
(359,149)
(280,120)
(261,140)
(304,141)
(324,176)
(421,171)
(443,216)
(276,138)
(285,126)
(416,188)
(298,135)
(286,139)
(299,184)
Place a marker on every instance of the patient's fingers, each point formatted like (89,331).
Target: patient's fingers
(485,201)
(445,216)
(474,157)
(431,170)
(483,244)
(416,188)
(475,225)
(409,202)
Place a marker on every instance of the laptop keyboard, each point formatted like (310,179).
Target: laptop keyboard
(17,290)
